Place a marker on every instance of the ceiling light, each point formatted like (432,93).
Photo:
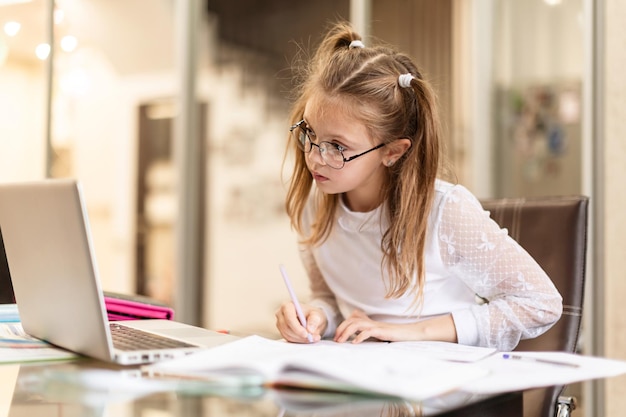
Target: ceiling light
(76,82)
(59,15)
(11,28)
(42,51)
(69,43)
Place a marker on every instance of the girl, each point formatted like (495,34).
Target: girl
(391,251)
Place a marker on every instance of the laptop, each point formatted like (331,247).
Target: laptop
(51,259)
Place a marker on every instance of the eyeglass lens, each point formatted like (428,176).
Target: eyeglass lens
(328,151)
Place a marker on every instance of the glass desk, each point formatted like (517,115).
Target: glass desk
(88,388)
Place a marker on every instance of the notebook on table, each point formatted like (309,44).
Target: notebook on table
(47,239)
(135,307)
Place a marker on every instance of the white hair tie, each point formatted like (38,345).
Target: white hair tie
(404,80)
(356,44)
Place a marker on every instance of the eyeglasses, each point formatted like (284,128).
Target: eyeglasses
(331,153)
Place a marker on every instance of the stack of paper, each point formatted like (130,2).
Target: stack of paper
(9,313)
(17,346)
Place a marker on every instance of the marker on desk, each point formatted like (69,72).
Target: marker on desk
(295,302)
(539,360)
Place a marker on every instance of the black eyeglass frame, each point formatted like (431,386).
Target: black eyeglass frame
(339,148)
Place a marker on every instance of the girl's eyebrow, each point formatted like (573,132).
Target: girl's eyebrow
(329,137)
(337,137)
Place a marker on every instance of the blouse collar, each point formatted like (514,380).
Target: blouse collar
(354,221)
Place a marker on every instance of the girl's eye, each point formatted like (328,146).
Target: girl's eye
(336,146)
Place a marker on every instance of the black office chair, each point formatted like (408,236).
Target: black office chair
(554,232)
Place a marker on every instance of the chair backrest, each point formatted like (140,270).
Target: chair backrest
(553,230)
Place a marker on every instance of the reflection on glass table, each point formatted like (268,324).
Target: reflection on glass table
(89,388)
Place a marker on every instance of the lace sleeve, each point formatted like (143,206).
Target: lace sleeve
(321,296)
(520,301)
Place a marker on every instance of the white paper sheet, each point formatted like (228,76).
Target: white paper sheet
(508,375)
(347,367)
(387,368)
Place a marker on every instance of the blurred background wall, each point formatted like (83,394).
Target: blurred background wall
(531,93)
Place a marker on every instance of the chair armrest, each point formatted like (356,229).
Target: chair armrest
(565,406)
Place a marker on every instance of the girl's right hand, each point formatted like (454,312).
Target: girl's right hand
(292,330)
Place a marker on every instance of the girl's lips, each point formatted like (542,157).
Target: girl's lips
(318,177)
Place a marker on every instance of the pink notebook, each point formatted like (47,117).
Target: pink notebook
(129,307)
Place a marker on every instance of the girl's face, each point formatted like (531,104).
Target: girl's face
(361,179)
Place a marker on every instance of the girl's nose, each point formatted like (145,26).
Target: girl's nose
(315,156)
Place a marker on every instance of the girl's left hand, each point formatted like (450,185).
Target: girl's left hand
(362,328)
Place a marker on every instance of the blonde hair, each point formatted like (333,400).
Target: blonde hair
(366,79)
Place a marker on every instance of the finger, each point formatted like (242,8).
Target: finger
(282,326)
(283,323)
(355,316)
(361,336)
(349,328)
(315,321)
(340,330)
(370,332)
(296,330)
(315,327)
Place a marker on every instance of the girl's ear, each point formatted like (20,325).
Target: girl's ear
(395,150)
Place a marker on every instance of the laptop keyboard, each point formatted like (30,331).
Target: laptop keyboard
(129,339)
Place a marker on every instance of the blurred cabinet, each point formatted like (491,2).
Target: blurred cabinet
(157,201)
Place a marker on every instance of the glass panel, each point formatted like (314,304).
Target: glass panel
(245,78)
(23,85)
(114,89)
(538,70)
(538,108)
(114,81)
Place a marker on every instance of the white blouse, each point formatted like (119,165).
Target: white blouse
(497,294)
